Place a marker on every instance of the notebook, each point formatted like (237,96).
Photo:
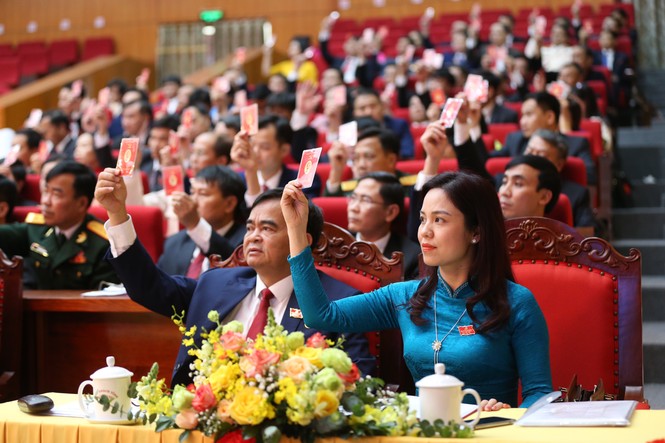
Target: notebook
(587,413)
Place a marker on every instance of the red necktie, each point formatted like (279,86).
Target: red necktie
(194,269)
(261,318)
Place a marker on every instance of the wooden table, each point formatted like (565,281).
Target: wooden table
(68,336)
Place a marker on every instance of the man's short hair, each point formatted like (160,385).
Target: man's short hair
(9,194)
(57,118)
(391,191)
(172,78)
(554,139)
(314,219)
(19,171)
(548,177)
(366,91)
(84,179)
(200,97)
(118,83)
(144,107)
(232,122)
(546,102)
(230,184)
(493,80)
(141,92)
(389,141)
(33,137)
(223,146)
(283,130)
(168,122)
(282,100)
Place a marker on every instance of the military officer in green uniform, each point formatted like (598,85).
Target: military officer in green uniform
(64,246)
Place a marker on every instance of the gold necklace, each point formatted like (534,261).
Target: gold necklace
(436,344)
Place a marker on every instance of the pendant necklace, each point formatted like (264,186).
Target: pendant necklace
(436,344)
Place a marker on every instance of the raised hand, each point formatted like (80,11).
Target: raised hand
(111,193)
(186,209)
(242,152)
(338,155)
(307,99)
(296,211)
(435,143)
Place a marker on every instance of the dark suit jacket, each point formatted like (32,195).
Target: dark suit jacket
(179,249)
(68,152)
(365,73)
(217,289)
(580,202)
(516,143)
(401,129)
(411,250)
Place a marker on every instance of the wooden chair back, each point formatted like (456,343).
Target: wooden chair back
(11,316)
(591,297)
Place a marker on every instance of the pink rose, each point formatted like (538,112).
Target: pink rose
(187,419)
(257,362)
(317,340)
(204,398)
(232,341)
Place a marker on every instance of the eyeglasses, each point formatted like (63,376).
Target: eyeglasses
(362,199)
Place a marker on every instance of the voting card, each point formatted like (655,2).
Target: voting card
(187,119)
(450,111)
(438,96)
(249,119)
(348,133)
(129,148)
(339,95)
(34,118)
(558,89)
(308,164)
(173,179)
(174,143)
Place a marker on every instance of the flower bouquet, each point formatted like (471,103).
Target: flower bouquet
(278,384)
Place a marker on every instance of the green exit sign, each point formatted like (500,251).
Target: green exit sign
(211,15)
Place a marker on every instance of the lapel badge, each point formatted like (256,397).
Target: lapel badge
(49,232)
(81,238)
(78,259)
(39,249)
(295,313)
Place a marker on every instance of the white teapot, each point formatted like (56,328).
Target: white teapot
(441,396)
(112,381)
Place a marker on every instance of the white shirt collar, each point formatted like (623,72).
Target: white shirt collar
(380,243)
(224,229)
(281,290)
(272,182)
(68,232)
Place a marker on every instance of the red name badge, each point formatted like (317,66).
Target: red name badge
(466,330)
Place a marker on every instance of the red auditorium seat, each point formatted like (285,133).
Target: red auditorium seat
(501,130)
(415,166)
(515,106)
(10,74)
(594,128)
(598,87)
(33,64)
(574,169)
(488,140)
(416,133)
(6,49)
(34,47)
(334,210)
(148,222)
(323,171)
(63,52)
(562,211)
(95,47)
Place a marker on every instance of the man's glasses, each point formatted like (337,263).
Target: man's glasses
(362,199)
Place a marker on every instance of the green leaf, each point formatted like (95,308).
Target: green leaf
(163,423)
(271,434)
(115,408)
(184,436)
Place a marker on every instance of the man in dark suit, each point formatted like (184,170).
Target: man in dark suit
(235,293)
(158,139)
(552,146)
(616,62)
(541,110)
(493,112)
(214,220)
(262,158)
(368,104)
(376,211)
(56,130)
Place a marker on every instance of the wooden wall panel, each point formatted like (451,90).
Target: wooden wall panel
(133,23)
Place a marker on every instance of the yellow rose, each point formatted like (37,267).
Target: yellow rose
(295,368)
(250,408)
(311,354)
(326,403)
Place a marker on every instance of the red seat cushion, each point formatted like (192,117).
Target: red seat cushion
(501,130)
(334,210)
(582,323)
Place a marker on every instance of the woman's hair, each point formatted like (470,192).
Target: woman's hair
(476,199)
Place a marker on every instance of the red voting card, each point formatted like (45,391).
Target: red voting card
(308,164)
(173,180)
(368,35)
(104,97)
(339,95)
(174,143)
(348,133)
(241,55)
(34,118)
(145,75)
(476,89)
(588,26)
(222,84)
(438,96)
(450,111)
(12,156)
(558,89)
(129,147)
(249,119)
(187,118)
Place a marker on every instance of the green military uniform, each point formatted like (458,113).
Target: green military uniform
(77,263)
